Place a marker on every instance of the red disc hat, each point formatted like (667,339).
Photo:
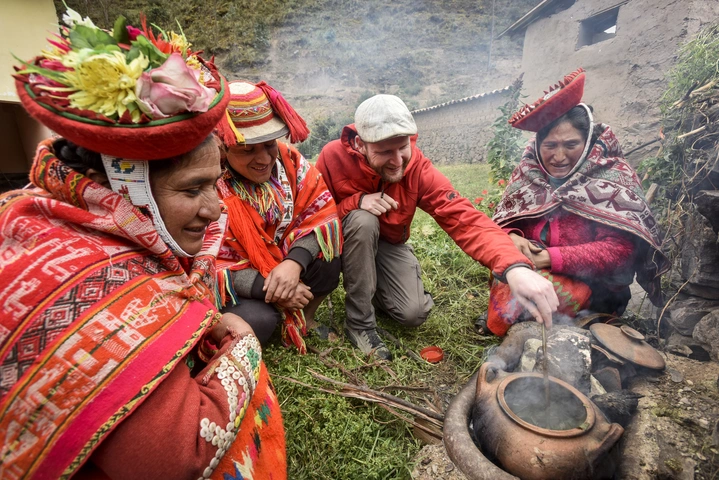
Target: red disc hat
(562,97)
(154,140)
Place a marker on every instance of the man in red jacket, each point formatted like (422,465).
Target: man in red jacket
(378,177)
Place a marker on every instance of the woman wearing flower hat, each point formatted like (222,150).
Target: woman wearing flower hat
(575,207)
(281,253)
(115,362)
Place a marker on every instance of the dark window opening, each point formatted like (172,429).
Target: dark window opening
(598,28)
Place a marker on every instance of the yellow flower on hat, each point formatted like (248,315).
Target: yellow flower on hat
(179,43)
(105,81)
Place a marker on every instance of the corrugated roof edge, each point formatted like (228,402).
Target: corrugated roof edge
(461,100)
(539,11)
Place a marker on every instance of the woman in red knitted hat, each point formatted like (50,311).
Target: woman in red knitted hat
(115,361)
(282,248)
(575,207)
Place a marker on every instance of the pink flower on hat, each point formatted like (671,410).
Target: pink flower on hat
(133,32)
(171,89)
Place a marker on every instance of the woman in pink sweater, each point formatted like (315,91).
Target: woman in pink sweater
(575,208)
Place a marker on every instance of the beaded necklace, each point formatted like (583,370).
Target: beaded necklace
(271,199)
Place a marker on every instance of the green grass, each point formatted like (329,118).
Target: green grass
(333,437)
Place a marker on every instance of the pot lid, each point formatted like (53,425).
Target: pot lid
(432,354)
(608,354)
(628,344)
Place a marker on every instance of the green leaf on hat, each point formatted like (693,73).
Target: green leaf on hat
(143,46)
(92,38)
(45,72)
(119,31)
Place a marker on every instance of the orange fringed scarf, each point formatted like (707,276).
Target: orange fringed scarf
(253,242)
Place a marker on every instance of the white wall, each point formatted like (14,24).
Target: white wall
(25,26)
(625,74)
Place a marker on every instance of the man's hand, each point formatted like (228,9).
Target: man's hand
(525,246)
(378,203)
(229,321)
(534,292)
(299,300)
(281,283)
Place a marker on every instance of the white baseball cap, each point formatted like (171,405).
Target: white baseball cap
(383,116)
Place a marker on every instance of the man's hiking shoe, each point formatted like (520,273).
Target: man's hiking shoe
(368,342)
(322,331)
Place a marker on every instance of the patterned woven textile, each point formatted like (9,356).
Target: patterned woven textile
(605,189)
(256,212)
(96,313)
(504,310)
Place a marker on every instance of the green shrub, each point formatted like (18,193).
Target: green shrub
(504,150)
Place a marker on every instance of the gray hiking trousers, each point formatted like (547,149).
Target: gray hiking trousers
(380,274)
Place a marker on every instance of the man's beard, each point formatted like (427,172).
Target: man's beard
(395,178)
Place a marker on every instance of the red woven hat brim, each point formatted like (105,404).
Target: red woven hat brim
(561,98)
(154,140)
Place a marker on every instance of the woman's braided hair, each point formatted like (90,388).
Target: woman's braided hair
(76,157)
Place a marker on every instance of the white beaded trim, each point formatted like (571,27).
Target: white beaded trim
(233,369)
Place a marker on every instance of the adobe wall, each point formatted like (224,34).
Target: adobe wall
(625,74)
(458,132)
(24,29)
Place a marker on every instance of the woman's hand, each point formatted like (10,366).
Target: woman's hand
(229,322)
(378,203)
(281,283)
(525,246)
(541,259)
(299,300)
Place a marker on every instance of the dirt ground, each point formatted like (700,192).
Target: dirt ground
(673,435)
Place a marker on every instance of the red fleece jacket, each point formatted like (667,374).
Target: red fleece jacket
(348,176)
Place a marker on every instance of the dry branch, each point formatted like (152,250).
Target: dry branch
(689,134)
(370,395)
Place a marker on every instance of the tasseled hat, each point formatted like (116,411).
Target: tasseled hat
(257,114)
(562,97)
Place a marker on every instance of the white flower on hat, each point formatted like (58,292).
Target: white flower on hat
(72,18)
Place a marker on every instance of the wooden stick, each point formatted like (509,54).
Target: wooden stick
(651,193)
(355,393)
(331,363)
(424,428)
(702,89)
(688,134)
(386,396)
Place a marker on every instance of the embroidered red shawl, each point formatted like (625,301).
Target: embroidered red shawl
(604,189)
(96,311)
(252,239)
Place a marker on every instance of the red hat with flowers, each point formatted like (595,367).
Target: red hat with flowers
(128,92)
(258,113)
(558,100)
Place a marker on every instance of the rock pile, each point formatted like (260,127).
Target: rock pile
(694,312)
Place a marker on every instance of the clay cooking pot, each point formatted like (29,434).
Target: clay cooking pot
(511,421)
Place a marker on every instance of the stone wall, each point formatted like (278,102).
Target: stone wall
(626,73)
(694,312)
(458,131)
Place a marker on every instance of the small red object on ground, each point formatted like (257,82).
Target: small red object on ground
(432,354)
